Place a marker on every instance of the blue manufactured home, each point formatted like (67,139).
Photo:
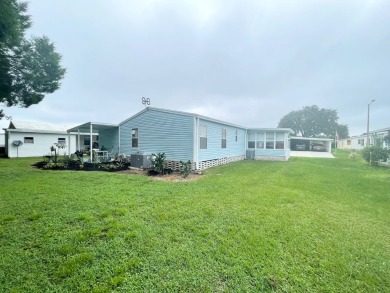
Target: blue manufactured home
(185,136)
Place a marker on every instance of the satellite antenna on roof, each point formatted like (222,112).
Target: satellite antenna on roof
(145,101)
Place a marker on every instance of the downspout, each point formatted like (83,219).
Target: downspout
(119,139)
(196,142)
(246,143)
(90,141)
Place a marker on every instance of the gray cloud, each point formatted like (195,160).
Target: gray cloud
(246,62)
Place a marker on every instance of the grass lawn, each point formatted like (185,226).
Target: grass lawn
(307,225)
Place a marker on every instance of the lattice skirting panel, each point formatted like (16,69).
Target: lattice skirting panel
(175,165)
(212,163)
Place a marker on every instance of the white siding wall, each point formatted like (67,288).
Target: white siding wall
(2,139)
(41,145)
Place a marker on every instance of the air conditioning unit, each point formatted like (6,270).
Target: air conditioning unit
(250,154)
(141,161)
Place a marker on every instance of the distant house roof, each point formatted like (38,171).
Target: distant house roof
(33,126)
(380,130)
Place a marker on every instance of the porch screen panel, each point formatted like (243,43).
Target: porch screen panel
(279,141)
(270,140)
(260,140)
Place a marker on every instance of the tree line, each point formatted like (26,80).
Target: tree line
(312,121)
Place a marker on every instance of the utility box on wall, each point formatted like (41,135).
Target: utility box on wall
(141,161)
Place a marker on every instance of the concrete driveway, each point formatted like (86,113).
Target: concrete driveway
(309,154)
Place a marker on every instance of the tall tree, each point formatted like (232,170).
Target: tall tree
(313,121)
(29,68)
(342,131)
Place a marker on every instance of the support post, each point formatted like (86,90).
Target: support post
(90,141)
(368,123)
(68,144)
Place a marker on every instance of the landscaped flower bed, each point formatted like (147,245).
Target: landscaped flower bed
(76,164)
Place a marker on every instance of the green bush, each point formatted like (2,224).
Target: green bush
(375,154)
(185,167)
(54,166)
(159,162)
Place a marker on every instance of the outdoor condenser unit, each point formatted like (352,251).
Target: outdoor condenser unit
(250,154)
(141,161)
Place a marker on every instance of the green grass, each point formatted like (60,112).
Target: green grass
(307,225)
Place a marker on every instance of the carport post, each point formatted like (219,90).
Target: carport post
(90,142)
(78,139)
(68,144)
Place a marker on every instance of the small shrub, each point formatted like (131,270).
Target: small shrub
(353,155)
(73,165)
(54,166)
(112,167)
(374,154)
(185,167)
(159,162)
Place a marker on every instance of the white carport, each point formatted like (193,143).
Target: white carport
(309,141)
(92,128)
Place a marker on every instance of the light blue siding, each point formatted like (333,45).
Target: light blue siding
(214,141)
(109,139)
(158,132)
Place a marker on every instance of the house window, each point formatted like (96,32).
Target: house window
(87,140)
(279,144)
(361,142)
(203,136)
(236,135)
(29,139)
(223,138)
(251,140)
(270,141)
(134,138)
(61,141)
(260,140)
(348,142)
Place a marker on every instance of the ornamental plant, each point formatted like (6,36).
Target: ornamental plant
(158,161)
(375,154)
(185,167)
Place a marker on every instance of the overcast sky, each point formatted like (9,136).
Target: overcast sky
(244,62)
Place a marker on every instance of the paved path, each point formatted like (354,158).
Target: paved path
(308,154)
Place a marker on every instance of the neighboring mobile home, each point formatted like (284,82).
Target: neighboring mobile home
(185,136)
(378,137)
(36,139)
